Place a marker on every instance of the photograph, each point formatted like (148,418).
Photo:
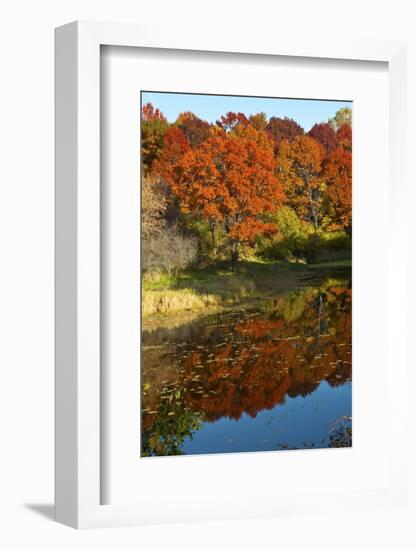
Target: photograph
(246,273)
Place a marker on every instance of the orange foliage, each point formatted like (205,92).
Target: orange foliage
(150,113)
(344,137)
(232,120)
(338,173)
(299,166)
(168,163)
(229,179)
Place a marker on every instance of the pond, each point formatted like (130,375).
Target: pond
(275,376)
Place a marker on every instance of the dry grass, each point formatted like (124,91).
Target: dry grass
(165,302)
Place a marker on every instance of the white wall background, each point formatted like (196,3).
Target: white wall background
(26,268)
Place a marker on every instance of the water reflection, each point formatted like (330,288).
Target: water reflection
(275,377)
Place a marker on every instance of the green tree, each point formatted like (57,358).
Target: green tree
(342,116)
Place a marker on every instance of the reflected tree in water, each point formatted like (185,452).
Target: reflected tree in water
(243,362)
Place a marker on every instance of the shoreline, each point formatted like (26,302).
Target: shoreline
(189,297)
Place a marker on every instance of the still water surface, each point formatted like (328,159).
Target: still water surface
(277,376)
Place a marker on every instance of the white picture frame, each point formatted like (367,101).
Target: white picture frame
(77,241)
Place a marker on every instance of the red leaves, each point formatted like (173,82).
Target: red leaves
(344,137)
(283,129)
(231,120)
(229,178)
(238,171)
(325,135)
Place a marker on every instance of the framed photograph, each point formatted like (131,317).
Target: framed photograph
(226,345)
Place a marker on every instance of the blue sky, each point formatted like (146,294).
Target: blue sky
(210,107)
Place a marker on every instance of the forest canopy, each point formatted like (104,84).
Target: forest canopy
(244,187)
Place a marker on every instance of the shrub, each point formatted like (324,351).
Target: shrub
(297,241)
(285,249)
(168,251)
(290,241)
(324,247)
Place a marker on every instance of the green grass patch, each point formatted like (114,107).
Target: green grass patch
(334,263)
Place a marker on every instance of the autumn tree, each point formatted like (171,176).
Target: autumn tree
(231,120)
(337,171)
(344,137)
(324,134)
(167,168)
(230,180)
(283,129)
(153,128)
(259,121)
(194,128)
(175,145)
(299,166)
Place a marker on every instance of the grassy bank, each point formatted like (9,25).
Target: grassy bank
(217,287)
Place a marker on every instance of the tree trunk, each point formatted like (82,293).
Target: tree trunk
(234,253)
(212,225)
